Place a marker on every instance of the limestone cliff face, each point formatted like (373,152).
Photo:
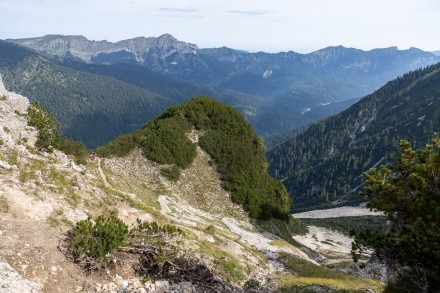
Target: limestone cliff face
(14,130)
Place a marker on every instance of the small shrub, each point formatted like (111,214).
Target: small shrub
(96,240)
(48,128)
(252,284)
(171,173)
(210,229)
(7,130)
(120,146)
(75,148)
(148,228)
(3,98)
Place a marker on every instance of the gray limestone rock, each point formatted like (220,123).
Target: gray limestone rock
(11,281)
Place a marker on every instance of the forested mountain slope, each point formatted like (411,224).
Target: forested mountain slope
(322,165)
(334,73)
(99,102)
(90,107)
(288,89)
(267,116)
(226,136)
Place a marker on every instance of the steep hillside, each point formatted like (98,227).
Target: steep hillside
(43,195)
(322,165)
(225,135)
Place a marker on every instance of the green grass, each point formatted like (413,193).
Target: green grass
(146,194)
(29,170)
(225,264)
(281,243)
(12,158)
(171,173)
(309,274)
(63,186)
(57,218)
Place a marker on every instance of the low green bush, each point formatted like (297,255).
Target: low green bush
(91,243)
(120,146)
(252,284)
(75,148)
(97,239)
(171,173)
(47,126)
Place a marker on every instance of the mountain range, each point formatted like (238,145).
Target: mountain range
(322,165)
(276,92)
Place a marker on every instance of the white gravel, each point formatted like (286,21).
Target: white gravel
(347,211)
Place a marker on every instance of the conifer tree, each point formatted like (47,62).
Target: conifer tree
(47,126)
(408,192)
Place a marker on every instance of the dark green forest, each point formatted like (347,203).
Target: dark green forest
(322,165)
(225,135)
(94,103)
(90,108)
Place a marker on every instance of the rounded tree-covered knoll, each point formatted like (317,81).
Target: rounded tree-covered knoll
(230,140)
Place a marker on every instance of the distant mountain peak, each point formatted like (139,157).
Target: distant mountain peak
(79,47)
(167,37)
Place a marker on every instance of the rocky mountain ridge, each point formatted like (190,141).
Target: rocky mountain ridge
(274,72)
(79,47)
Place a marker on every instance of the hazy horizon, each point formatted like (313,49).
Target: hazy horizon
(300,26)
(239,49)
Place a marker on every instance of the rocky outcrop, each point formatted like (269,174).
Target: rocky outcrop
(13,124)
(120,285)
(11,281)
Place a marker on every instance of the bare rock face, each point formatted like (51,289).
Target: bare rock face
(11,281)
(13,123)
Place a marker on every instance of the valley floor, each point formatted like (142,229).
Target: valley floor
(347,211)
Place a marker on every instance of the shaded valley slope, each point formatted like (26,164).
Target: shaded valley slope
(322,165)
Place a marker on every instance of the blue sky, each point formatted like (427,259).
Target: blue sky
(271,26)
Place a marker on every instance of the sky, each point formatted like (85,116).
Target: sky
(252,25)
